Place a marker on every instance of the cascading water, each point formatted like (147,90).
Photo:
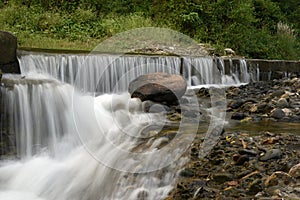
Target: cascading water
(69,146)
(76,146)
(98,73)
(113,73)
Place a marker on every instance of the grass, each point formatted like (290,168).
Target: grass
(26,40)
(56,29)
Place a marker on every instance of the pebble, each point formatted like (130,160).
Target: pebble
(187,173)
(277,113)
(277,93)
(282,103)
(255,187)
(223,177)
(242,159)
(295,171)
(271,154)
(248,152)
(238,116)
(278,178)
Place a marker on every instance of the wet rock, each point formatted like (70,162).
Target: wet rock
(187,173)
(264,107)
(242,159)
(271,154)
(248,152)
(246,107)
(234,91)
(203,92)
(190,113)
(234,104)
(295,104)
(238,116)
(282,103)
(278,178)
(277,93)
(8,53)
(277,113)
(152,107)
(158,87)
(253,109)
(223,177)
(255,187)
(295,171)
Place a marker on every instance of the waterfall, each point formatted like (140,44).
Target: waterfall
(103,73)
(79,135)
(76,146)
(98,73)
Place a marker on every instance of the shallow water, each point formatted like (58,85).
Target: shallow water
(257,127)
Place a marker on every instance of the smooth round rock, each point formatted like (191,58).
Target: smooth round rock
(277,113)
(158,87)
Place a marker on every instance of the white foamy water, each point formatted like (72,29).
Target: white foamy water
(74,146)
(112,73)
(71,145)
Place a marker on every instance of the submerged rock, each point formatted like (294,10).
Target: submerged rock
(158,87)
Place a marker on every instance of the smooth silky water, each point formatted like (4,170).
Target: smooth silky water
(80,136)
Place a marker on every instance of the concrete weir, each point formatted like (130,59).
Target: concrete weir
(268,69)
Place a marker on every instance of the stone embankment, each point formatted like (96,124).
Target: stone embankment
(248,164)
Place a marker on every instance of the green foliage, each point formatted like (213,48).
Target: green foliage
(116,24)
(250,27)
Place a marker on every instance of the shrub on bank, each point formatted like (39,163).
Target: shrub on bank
(249,27)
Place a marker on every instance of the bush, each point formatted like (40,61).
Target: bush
(115,24)
(248,27)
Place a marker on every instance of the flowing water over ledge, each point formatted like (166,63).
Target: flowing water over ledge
(77,132)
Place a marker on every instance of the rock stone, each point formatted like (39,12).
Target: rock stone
(222,177)
(158,87)
(277,113)
(152,107)
(278,178)
(271,154)
(255,187)
(277,93)
(282,103)
(295,171)
(8,53)
(238,116)
(242,159)
(234,104)
(187,173)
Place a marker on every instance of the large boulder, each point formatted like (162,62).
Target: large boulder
(158,87)
(8,53)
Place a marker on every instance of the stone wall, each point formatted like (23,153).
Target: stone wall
(269,69)
(8,64)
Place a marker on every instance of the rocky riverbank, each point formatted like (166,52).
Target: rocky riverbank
(274,100)
(245,164)
(241,166)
